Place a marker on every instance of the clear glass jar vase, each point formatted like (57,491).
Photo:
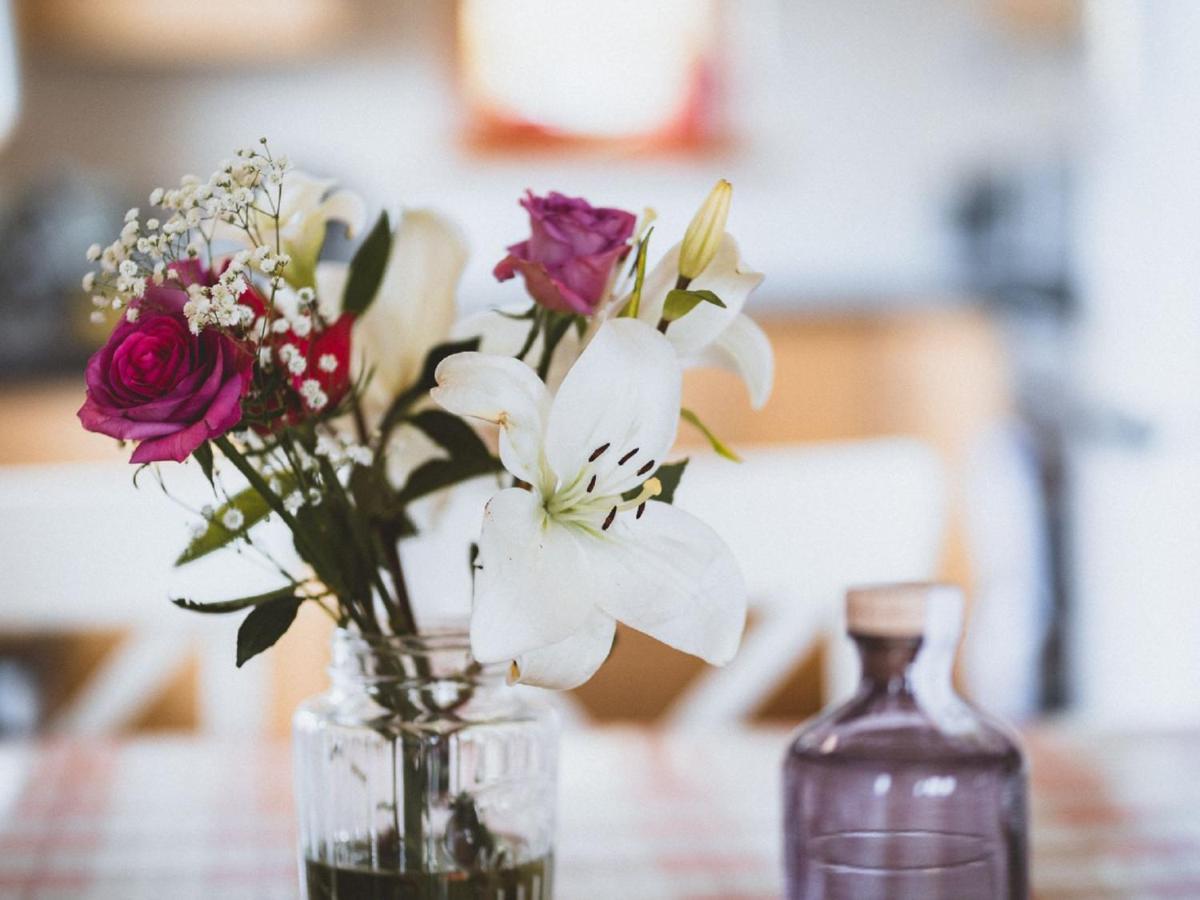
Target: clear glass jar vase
(419,773)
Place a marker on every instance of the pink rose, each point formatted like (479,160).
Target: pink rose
(157,383)
(569,257)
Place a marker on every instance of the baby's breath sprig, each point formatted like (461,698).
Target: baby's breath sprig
(241,196)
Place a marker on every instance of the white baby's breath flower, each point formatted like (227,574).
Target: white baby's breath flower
(233,519)
(297,364)
(302,326)
(207,511)
(293,501)
(328,446)
(93,252)
(327,363)
(131,314)
(97,317)
(132,214)
(89,281)
(156,196)
(314,397)
(360,454)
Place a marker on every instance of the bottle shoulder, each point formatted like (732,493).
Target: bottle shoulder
(901,727)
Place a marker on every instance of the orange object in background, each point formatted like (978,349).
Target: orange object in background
(632,75)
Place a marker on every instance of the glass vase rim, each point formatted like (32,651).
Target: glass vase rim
(445,636)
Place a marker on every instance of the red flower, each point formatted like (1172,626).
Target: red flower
(157,383)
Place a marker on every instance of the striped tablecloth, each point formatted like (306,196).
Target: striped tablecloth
(642,815)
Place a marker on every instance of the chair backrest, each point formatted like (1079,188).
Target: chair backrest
(82,549)
(806,523)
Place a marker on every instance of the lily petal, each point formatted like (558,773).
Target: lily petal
(669,575)
(346,207)
(505,392)
(744,349)
(415,306)
(571,661)
(726,276)
(526,589)
(622,395)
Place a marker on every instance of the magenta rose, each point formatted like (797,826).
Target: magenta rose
(569,257)
(157,383)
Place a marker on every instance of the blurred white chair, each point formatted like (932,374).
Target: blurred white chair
(1008,545)
(806,523)
(82,548)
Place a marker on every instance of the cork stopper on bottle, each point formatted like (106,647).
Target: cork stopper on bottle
(905,610)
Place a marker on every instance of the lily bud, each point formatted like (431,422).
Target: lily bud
(703,235)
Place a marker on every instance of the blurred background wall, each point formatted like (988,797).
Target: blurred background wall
(973,214)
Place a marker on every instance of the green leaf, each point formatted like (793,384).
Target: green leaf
(670,474)
(253,507)
(527,314)
(639,268)
(681,302)
(556,327)
(535,328)
(717,444)
(426,382)
(226,606)
(367,267)
(266,624)
(435,356)
(452,434)
(204,456)
(443,473)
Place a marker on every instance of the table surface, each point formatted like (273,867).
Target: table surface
(642,815)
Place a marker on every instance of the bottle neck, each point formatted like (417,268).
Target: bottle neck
(912,666)
(887,663)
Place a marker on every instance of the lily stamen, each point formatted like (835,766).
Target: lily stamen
(627,457)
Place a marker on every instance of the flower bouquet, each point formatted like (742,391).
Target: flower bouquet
(297,384)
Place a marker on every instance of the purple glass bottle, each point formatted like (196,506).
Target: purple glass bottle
(906,791)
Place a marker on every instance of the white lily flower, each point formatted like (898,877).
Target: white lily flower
(415,307)
(412,313)
(710,335)
(562,561)
(306,206)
